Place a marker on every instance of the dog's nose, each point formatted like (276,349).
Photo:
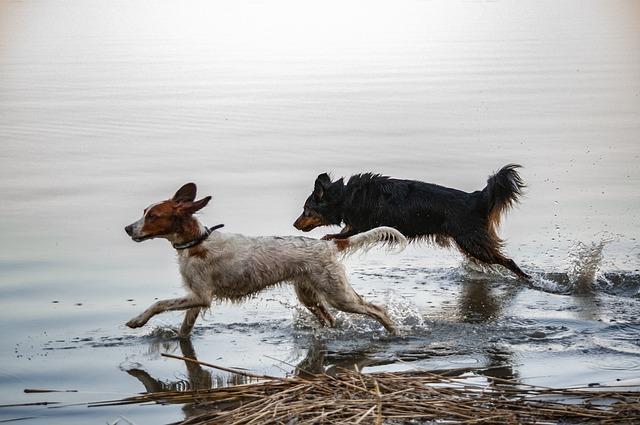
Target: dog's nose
(129,230)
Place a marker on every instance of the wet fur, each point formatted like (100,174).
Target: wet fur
(421,211)
(233,267)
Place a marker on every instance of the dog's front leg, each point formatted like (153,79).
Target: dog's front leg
(166,305)
(189,320)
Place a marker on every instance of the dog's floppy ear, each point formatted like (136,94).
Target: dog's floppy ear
(186,193)
(192,207)
(322,183)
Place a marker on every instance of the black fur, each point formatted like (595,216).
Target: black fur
(419,210)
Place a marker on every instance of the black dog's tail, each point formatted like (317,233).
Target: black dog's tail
(503,190)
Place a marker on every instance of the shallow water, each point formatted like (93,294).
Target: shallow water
(109,106)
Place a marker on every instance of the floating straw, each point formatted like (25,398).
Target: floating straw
(351,397)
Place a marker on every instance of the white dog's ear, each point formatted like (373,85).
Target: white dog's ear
(191,207)
(186,193)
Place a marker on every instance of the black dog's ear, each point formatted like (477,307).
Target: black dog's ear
(322,183)
(186,193)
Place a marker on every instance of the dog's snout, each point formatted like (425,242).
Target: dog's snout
(129,230)
(306,224)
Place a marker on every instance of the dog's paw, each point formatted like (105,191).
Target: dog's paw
(136,322)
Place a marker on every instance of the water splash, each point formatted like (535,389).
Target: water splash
(163,333)
(481,271)
(404,314)
(549,282)
(587,273)
(585,261)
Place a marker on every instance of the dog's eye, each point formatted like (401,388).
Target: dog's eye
(151,217)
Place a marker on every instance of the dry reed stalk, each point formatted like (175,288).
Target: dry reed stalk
(396,397)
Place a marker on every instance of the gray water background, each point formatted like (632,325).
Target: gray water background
(108,106)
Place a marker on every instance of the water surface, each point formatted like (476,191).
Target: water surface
(106,107)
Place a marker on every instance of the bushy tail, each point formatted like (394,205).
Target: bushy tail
(503,190)
(380,236)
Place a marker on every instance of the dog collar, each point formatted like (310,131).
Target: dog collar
(198,240)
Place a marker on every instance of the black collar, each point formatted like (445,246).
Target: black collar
(198,240)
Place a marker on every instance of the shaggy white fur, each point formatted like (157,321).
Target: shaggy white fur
(233,267)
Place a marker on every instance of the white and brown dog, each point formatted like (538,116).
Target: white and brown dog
(215,265)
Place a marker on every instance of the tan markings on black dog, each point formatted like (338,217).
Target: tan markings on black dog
(421,211)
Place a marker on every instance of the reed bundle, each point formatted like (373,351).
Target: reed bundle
(351,397)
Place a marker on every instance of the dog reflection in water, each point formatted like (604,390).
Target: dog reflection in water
(197,377)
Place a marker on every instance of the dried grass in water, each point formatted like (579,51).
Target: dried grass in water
(351,397)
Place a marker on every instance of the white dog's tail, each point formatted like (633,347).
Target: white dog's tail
(384,236)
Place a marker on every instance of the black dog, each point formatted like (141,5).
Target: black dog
(419,210)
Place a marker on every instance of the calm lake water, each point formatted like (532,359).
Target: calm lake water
(108,106)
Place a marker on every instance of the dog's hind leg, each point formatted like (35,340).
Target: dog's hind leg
(486,250)
(189,320)
(309,298)
(342,296)
(511,265)
(353,303)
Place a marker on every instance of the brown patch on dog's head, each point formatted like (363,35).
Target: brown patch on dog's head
(167,217)
(158,220)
